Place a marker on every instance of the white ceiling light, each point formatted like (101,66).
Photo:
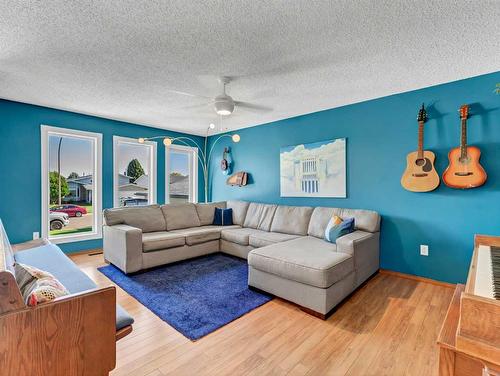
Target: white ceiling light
(224,105)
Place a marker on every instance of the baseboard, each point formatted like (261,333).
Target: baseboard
(90,252)
(417,278)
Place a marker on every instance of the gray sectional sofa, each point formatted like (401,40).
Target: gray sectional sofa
(284,245)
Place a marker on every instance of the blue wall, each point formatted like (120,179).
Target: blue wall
(379,134)
(20,205)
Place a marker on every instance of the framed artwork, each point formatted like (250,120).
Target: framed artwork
(314,170)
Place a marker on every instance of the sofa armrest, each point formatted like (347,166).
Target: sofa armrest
(122,246)
(29,244)
(349,242)
(365,249)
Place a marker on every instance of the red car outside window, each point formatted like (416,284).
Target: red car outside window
(71,210)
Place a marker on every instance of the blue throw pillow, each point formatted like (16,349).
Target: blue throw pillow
(223,217)
(337,227)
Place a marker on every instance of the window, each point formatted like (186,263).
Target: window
(134,172)
(181,175)
(71,184)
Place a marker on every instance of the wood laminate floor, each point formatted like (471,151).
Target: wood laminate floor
(388,327)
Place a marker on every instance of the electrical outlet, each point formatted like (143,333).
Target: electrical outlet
(36,235)
(424,250)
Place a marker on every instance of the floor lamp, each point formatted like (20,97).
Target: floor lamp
(204,158)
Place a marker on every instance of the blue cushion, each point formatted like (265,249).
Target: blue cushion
(337,227)
(223,217)
(50,258)
(123,319)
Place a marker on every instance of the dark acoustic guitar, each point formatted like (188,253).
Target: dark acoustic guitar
(464,170)
(420,174)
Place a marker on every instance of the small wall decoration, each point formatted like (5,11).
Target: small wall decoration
(226,162)
(314,170)
(497,89)
(239,179)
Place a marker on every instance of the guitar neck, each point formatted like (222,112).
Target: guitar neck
(463,139)
(420,139)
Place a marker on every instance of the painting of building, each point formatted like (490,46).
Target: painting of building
(314,170)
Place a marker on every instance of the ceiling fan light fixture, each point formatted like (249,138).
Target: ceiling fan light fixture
(224,105)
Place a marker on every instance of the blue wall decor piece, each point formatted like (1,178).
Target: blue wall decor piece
(381,132)
(20,156)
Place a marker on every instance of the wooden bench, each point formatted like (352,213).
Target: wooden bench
(72,335)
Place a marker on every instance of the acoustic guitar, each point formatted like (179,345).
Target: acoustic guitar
(464,170)
(420,174)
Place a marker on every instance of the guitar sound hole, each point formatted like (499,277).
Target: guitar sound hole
(420,162)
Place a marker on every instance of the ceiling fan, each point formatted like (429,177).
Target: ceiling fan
(224,104)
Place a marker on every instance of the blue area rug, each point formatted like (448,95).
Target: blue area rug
(194,296)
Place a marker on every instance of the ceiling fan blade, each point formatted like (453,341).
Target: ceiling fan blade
(188,94)
(252,106)
(194,106)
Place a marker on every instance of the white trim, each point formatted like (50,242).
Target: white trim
(152,167)
(96,139)
(193,170)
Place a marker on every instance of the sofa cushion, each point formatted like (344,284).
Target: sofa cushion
(263,238)
(51,259)
(180,216)
(238,235)
(197,235)
(239,211)
(148,218)
(206,211)
(259,216)
(292,219)
(307,260)
(154,241)
(365,220)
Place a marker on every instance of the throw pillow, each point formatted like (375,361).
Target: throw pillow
(223,217)
(337,227)
(37,286)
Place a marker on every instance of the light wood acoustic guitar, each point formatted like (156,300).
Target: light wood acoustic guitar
(420,174)
(464,170)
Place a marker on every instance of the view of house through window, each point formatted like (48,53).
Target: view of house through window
(135,168)
(70,185)
(181,174)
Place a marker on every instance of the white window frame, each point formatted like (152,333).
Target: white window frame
(96,138)
(193,170)
(152,166)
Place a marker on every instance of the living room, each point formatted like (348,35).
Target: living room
(249,188)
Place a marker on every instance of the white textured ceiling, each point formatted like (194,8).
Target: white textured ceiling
(119,59)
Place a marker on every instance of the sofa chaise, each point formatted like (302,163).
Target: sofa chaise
(284,245)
